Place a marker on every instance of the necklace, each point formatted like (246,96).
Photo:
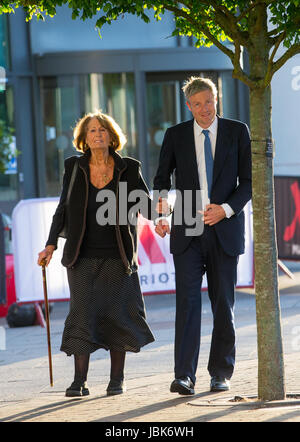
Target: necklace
(104,175)
(105,178)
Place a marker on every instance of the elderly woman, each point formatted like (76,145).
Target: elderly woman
(106,305)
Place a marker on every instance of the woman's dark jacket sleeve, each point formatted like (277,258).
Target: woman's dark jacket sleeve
(58,217)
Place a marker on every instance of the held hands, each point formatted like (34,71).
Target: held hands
(163,207)
(212,214)
(45,255)
(162,227)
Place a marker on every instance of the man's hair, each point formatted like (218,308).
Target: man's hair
(198,84)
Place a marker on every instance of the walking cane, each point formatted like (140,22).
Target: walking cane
(43,263)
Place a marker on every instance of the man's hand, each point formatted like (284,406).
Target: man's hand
(162,227)
(212,214)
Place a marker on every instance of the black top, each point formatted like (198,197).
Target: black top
(128,170)
(99,240)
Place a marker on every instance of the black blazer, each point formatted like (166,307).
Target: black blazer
(129,172)
(231,178)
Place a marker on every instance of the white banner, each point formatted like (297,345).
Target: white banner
(156,269)
(31,220)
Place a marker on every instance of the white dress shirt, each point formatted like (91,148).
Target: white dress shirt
(200,156)
(199,146)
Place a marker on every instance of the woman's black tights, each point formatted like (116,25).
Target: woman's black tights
(81,367)
(117,359)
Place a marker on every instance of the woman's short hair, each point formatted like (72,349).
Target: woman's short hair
(198,84)
(117,137)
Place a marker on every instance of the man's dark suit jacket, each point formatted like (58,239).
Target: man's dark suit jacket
(231,178)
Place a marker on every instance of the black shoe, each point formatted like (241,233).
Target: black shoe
(218,383)
(77,389)
(182,385)
(115,387)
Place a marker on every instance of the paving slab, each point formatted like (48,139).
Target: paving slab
(26,395)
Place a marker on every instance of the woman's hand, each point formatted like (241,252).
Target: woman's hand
(163,207)
(45,255)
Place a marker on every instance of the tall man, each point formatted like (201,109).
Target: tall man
(212,154)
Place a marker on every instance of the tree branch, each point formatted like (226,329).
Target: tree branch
(276,42)
(222,8)
(234,56)
(254,4)
(243,14)
(238,71)
(274,31)
(202,27)
(293,50)
(226,20)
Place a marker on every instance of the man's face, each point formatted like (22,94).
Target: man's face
(203,106)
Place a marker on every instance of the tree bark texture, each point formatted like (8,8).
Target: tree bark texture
(271,383)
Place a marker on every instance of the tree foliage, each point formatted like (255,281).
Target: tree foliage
(218,22)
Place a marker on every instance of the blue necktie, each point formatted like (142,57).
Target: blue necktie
(209,162)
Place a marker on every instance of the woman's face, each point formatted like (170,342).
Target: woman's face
(97,137)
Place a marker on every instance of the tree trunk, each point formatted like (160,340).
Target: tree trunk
(271,385)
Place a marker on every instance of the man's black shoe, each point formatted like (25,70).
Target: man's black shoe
(182,385)
(219,383)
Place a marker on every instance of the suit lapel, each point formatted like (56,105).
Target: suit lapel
(191,159)
(223,144)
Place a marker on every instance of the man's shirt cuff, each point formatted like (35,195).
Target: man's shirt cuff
(228,210)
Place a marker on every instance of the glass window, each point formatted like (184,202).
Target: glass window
(163,111)
(114,94)
(8,179)
(4,46)
(229,95)
(66,98)
(60,112)
(166,107)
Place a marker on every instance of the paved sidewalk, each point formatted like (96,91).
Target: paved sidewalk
(149,400)
(26,396)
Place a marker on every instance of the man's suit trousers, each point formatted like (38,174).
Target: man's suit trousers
(204,254)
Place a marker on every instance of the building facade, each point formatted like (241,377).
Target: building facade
(58,70)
